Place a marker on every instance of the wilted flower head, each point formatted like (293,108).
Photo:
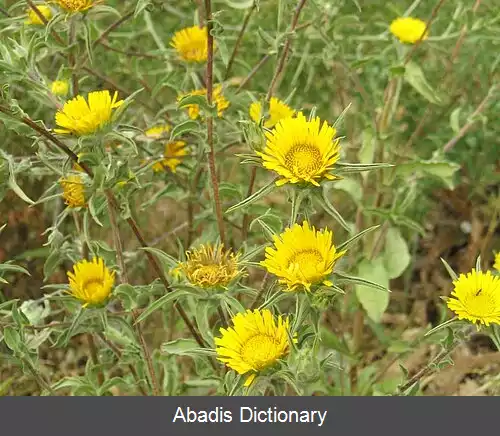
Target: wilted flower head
(302,257)
(191,43)
(33,17)
(408,30)
(81,118)
(60,87)
(301,151)
(210,266)
(278,110)
(76,5)
(91,282)
(73,191)
(254,343)
(218,99)
(476,297)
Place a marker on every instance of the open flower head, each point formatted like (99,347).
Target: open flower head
(33,17)
(218,99)
(476,297)
(172,157)
(91,282)
(73,191)
(60,87)
(278,110)
(496,265)
(80,117)
(210,266)
(301,151)
(255,342)
(157,132)
(191,43)
(409,30)
(302,257)
(76,5)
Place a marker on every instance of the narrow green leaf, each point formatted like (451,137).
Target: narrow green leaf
(162,301)
(452,273)
(345,245)
(254,197)
(328,207)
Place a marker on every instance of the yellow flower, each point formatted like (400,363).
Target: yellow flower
(301,151)
(76,5)
(278,110)
(91,282)
(191,43)
(76,166)
(209,266)
(496,265)
(82,118)
(217,97)
(157,131)
(60,87)
(33,17)
(73,191)
(408,30)
(302,257)
(174,151)
(255,342)
(476,297)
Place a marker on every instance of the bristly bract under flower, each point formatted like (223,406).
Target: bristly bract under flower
(409,30)
(60,87)
(33,17)
(210,266)
(218,99)
(91,282)
(73,191)
(476,297)
(191,43)
(81,118)
(301,151)
(278,110)
(255,342)
(172,157)
(302,257)
(75,5)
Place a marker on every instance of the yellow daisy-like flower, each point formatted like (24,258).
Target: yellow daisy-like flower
(217,97)
(73,191)
(60,87)
(255,342)
(91,282)
(278,110)
(302,257)
(301,151)
(409,30)
(81,118)
(157,131)
(34,19)
(209,266)
(191,43)
(172,157)
(75,5)
(476,297)
(496,265)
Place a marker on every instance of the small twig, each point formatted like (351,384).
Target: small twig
(255,304)
(95,358)
(39,378)
(71,56)
(4,11)
(210,122)
(239,39)
(252,73)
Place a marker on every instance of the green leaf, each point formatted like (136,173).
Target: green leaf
(444,170)
(153,307)
(396,254)
(452,273)
(254,197)
(270,223)
(141,5)
(8,267)
(184,127)
(330,209)
(372,300)
(347,168)
(351,186)
(240,4)
(12,338)
(167,260)
(345,245)
(416,78)
(455,120)
(185,347)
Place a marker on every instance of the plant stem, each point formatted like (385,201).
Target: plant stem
(39,378)
(71,56)
(239,39)
(252,73)
(95,358)
(210,121)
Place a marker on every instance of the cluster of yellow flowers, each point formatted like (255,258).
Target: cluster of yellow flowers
(300,151)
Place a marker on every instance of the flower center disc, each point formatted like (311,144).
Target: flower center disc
(480,305)
(303,159)
(306,262)
(92,286)
(260,351)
